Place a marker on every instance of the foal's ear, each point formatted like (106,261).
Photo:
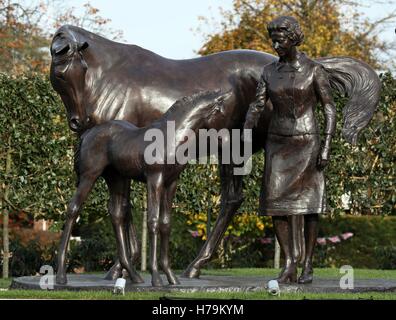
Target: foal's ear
(224,97)
(83,46)
(220,101)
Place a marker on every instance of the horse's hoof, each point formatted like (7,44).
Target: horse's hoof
(61,278)
(136,278)
(114,273)
(191,273)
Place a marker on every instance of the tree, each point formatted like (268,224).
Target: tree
(26,32)
(331,27)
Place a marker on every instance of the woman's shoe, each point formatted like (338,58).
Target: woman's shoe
(288,274)
(306,275)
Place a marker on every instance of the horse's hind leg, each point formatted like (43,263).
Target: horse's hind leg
(74,207)
(231,199)
(118,209)
(165,230)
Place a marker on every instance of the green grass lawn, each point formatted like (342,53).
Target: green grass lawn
(326,273)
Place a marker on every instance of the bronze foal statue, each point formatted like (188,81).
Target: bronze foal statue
(116,150)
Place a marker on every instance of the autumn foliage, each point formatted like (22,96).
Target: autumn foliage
(330,29)
(26,32)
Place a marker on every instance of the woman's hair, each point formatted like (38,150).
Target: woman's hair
(288,24)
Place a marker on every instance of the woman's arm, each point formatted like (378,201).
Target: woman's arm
(323,91)
(257,106)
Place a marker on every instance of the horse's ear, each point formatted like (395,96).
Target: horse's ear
(83,46)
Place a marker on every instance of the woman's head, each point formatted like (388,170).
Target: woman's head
(285,32)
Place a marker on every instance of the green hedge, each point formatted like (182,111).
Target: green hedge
(372,246)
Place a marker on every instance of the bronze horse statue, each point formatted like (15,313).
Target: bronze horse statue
(117,149)
(101,80)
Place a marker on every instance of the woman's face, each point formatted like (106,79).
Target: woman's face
(281,43)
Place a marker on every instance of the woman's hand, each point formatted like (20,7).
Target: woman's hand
(324,154)
(323,158)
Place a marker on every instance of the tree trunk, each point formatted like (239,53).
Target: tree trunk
(4,209)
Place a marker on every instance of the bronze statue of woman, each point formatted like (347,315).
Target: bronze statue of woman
(293,187)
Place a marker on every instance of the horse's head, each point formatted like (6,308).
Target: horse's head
(68,70)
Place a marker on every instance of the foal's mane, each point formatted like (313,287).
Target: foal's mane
(189,103)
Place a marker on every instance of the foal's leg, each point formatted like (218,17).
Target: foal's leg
(231,200)
(154,195)
(118,209)
(116,270)
(131,230)
(165,230)
(73,209)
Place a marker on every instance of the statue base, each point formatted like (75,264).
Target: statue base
(207,283)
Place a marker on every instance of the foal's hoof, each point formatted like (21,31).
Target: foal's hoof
(156,281)
(61,278)
(172,279)
(191,272)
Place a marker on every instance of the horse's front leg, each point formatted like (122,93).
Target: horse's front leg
(118,209)
(155,190)
(73,210)
(165,230)
(231,199)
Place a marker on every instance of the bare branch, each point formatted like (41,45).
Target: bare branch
(379,22)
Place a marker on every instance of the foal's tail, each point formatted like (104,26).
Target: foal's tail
(360,83)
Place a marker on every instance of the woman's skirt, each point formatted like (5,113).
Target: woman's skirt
(292,183)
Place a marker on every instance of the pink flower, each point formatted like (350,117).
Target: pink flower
(347,235)
(321,241)
(194,234)
(334,239)
(266,240)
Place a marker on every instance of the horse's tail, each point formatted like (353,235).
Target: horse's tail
(360,83)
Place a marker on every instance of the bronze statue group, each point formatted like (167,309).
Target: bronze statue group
(114,93)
